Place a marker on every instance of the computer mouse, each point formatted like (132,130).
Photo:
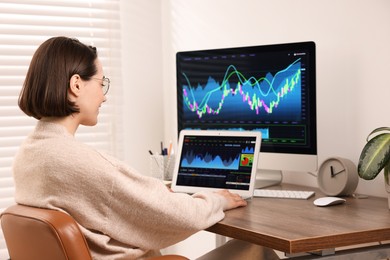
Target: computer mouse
(328,201)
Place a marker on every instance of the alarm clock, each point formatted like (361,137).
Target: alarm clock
(337,177)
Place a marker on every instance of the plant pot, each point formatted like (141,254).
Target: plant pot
(388,195)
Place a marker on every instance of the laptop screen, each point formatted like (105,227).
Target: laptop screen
(223,162)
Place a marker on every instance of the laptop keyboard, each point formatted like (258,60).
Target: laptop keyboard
(283,194)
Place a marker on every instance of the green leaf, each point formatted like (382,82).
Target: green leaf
(379,129)
(374,156)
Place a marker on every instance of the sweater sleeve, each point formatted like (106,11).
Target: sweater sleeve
(145,213)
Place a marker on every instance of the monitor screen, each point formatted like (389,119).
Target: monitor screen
(267,88)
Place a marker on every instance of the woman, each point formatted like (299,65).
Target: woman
(123,214)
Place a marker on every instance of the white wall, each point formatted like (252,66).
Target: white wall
(142,80)
(353,52)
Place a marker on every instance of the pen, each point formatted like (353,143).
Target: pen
(170,148)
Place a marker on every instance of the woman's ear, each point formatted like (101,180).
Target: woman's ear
(75,85)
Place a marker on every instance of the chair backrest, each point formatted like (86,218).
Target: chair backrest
(36,233)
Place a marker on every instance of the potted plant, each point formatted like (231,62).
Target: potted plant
(375,157)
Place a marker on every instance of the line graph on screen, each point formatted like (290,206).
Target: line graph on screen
(278,93)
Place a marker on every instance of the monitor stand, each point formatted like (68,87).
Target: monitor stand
(267,178)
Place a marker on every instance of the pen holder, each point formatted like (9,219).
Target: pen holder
(161,166)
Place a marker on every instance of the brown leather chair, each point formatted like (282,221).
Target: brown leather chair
(35,233)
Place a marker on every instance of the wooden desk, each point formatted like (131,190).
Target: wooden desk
(295,226)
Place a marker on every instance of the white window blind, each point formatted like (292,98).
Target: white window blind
(24,25)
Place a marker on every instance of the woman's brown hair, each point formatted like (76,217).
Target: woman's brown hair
(45,89)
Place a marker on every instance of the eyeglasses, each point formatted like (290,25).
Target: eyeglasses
(105,84)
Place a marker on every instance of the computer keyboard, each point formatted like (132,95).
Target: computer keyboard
(283,194)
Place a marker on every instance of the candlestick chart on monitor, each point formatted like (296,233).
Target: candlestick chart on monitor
(240,94)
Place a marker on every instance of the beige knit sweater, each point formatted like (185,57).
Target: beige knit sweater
(123,214)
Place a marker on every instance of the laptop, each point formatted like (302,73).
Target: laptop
(215,160)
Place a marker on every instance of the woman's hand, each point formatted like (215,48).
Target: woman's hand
(234,200)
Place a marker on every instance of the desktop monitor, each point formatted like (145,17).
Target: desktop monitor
(266,88)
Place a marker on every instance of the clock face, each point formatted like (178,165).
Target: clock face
(335,177)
